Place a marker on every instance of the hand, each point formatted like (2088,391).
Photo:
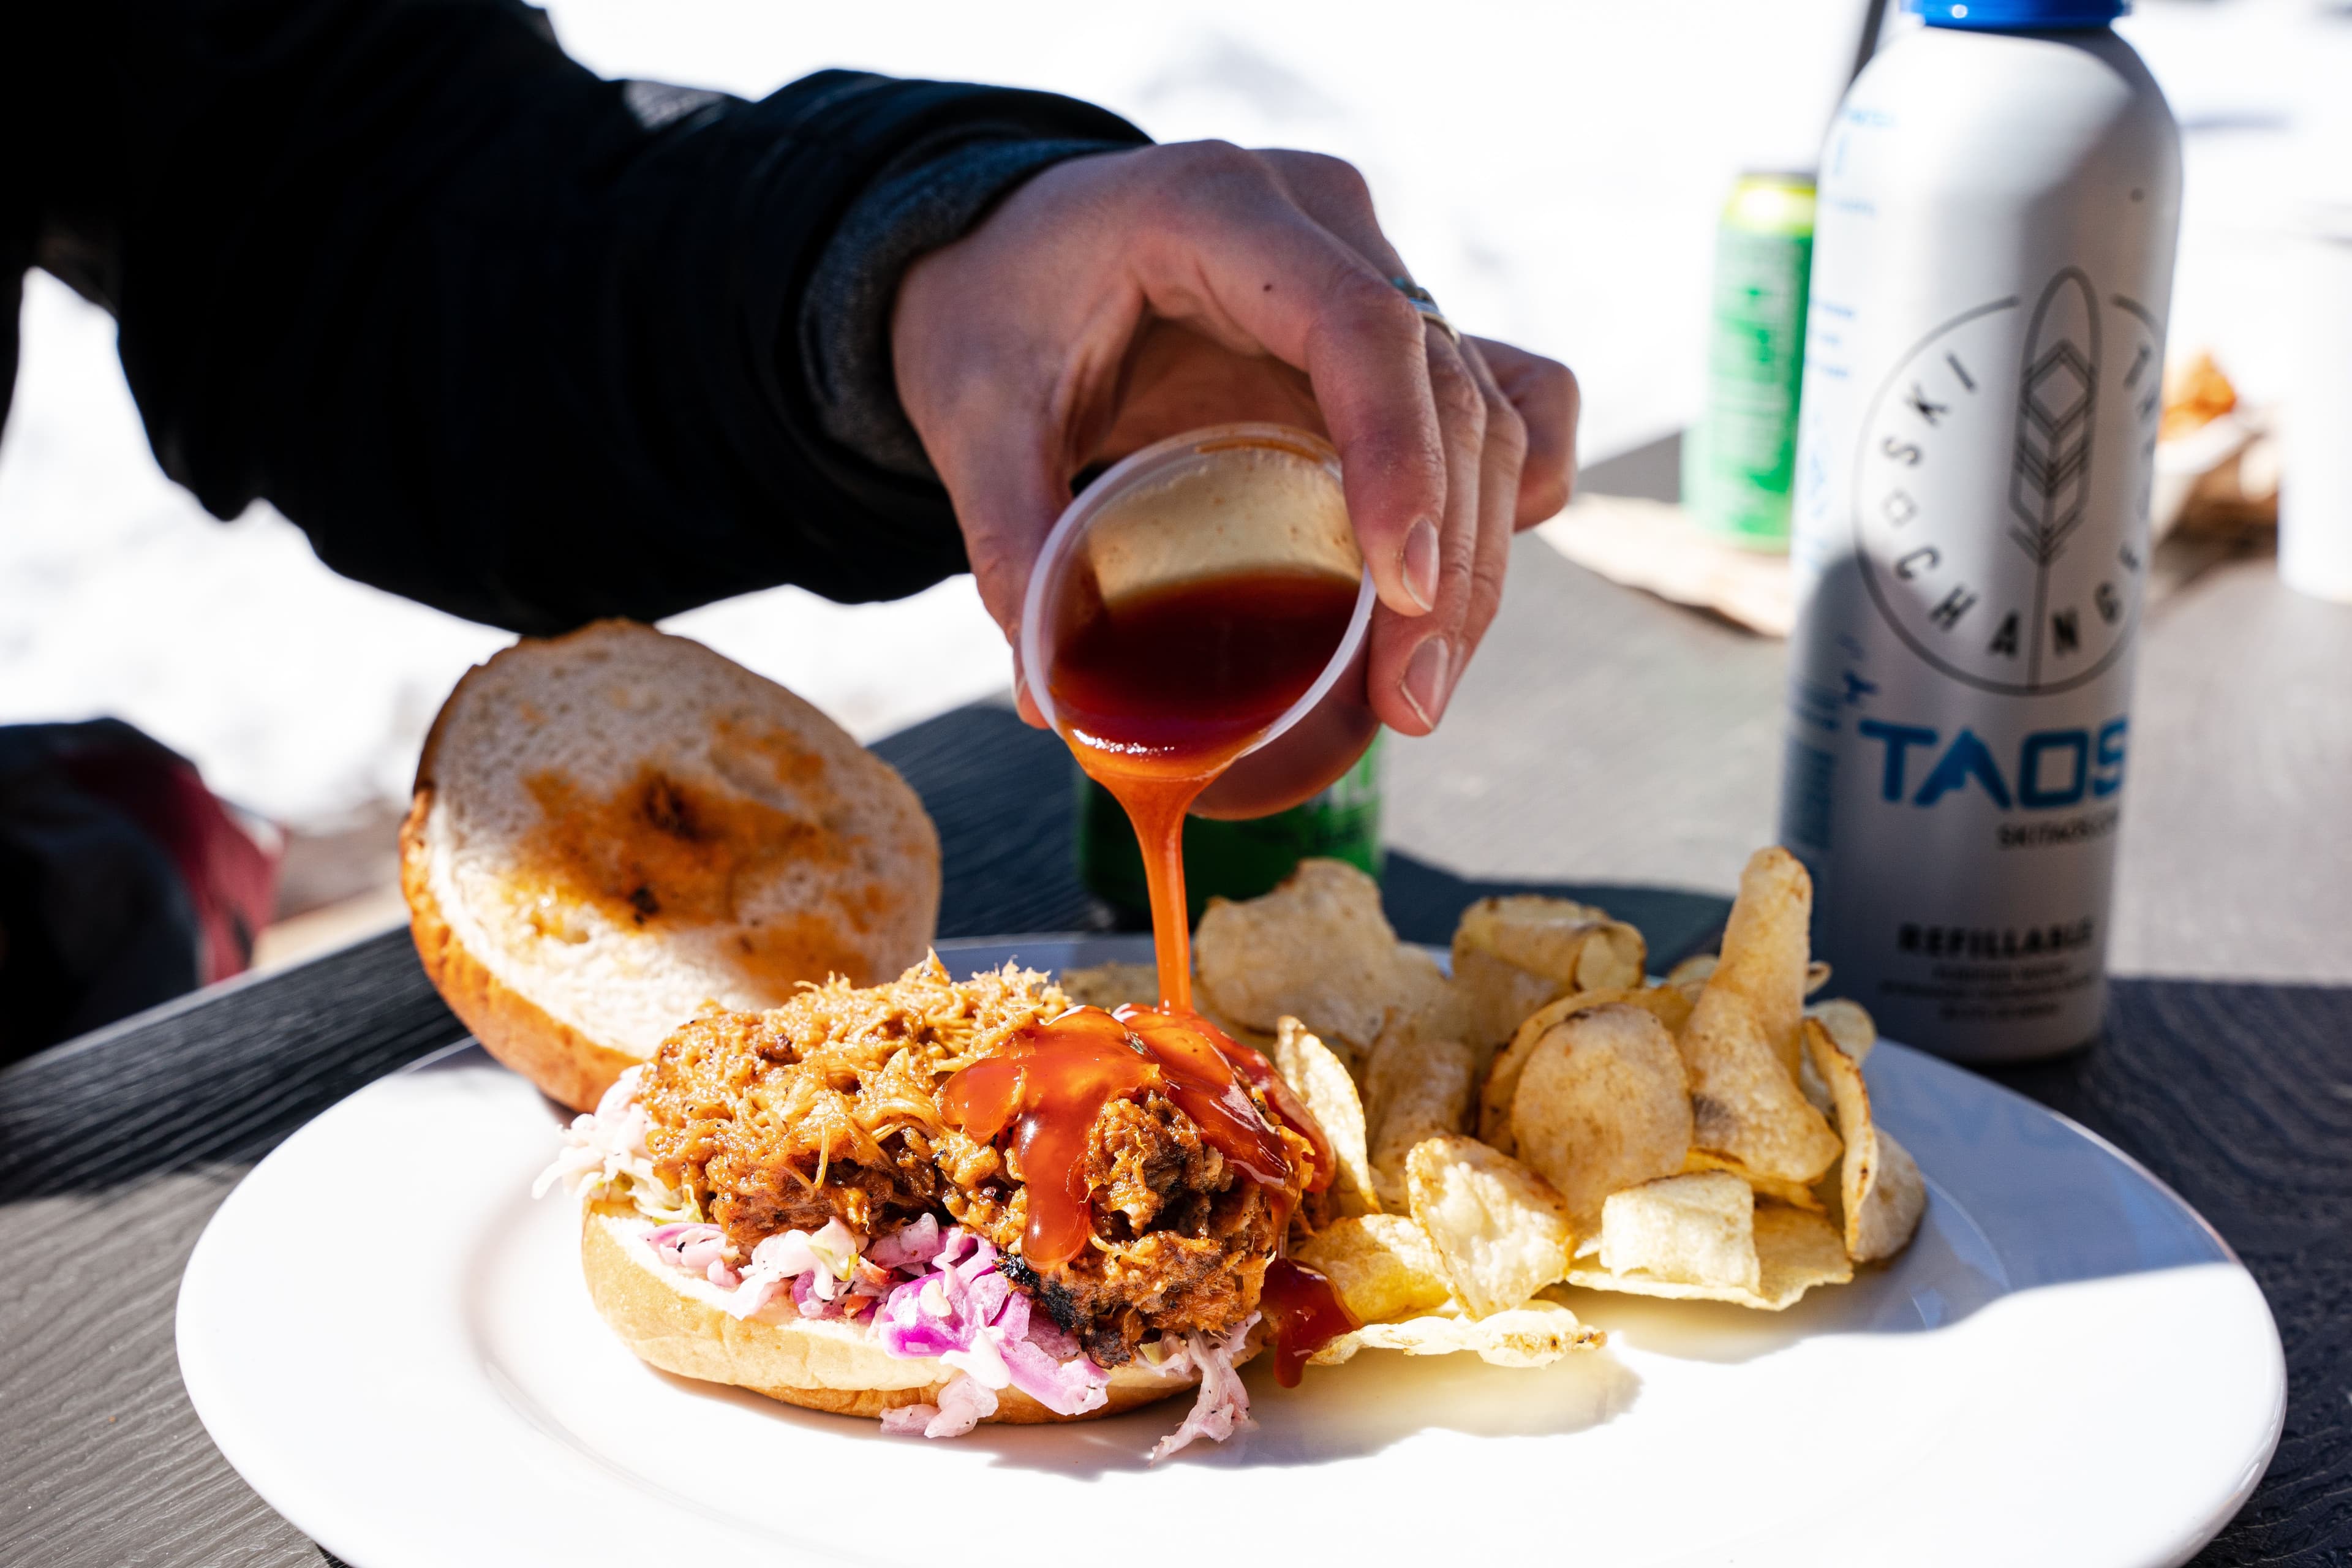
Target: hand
(1119,299)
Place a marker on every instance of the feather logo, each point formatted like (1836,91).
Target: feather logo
(2050,473)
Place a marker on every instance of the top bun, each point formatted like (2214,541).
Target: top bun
(614,827)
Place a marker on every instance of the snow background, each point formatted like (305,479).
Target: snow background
(1551,168)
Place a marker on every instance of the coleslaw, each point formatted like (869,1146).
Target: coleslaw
(925,1292)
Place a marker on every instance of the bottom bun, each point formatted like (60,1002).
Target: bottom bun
(677,1323)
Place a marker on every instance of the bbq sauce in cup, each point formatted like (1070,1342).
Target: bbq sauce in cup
(1204,606)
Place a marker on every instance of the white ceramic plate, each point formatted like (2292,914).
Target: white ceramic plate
(393,1343)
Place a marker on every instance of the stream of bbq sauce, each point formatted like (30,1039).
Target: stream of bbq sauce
(1159,693)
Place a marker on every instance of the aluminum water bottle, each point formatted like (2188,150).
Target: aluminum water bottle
(1992,267)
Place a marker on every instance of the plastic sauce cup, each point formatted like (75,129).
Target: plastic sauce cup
(1228,500)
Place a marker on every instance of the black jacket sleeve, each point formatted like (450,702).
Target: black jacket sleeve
(498,336)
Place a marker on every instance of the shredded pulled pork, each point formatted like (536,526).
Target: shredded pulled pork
(826,1110)
(1181,1240)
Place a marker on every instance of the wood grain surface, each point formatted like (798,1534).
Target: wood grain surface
(1604,745)
(114,1150)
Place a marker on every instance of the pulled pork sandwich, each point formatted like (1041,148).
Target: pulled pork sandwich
(944,1203)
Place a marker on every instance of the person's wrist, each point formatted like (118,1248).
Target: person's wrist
(847,325)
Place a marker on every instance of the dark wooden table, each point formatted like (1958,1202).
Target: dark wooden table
(1606,745)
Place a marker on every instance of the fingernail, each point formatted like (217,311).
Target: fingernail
(1424,681)
(1419,563)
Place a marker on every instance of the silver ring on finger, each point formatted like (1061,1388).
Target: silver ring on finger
(1426,303)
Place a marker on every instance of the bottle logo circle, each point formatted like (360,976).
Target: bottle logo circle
(2002,488)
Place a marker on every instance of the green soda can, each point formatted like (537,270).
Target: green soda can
(1233,859)
(1739,462)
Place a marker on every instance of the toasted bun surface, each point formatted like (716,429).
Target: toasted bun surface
(613,826)
(675,1321)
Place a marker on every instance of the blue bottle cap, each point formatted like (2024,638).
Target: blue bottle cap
(2019,14)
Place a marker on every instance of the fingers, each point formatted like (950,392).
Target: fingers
(1116,297)
(1333,193)
(1507,422)
(1501,494)
(1544,393)
(1236,256)
(1416,662)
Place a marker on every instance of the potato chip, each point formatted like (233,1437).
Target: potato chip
(1550,937)
(1794,1251)
(1496,996)
(1672,1007)
(1764,957)
(1816,1092)
(1852,1028)
(1745,1100)
(1418,1086)
(1110,985)
(1511,955)
(1426,999)
(1501,1233)
(1383,1266)
(1880,1192)
(1318,948)
(1893,1198)
(1683,1230)
(1535,1334)
(1692,973)
(1321,1079)
(1796,1195)
(1744,1105)
(1602,1104)
(1799,1251)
